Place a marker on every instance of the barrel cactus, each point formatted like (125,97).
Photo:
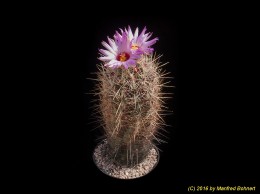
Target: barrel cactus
(129,87)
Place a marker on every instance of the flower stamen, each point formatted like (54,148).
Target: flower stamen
(134,47)
(123,57)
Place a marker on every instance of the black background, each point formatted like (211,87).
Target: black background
(212,139)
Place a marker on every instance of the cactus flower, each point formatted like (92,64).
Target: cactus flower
(140,43)
(118,53)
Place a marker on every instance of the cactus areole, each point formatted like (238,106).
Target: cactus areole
(129,87)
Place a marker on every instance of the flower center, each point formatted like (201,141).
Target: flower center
(123,57)
(134,47)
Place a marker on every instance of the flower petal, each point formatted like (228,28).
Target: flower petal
(106,52)
(151,42)
(113,64)
(112,43)
(130,34)
(136,34)
(108,47)
(107,58)
(141,36)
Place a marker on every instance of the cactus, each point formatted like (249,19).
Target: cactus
(130,107)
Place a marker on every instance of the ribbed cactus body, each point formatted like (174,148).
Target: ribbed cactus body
(130,105)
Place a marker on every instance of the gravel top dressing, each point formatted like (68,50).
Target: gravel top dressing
(107,166)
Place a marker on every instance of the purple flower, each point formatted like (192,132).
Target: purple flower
(118,52)
(126,48)
(140,43)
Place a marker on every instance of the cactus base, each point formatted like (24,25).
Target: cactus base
(125,154)
(119,166)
